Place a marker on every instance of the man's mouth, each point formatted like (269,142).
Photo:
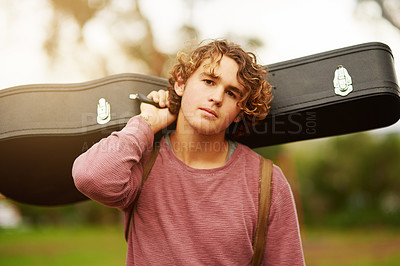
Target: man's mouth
(209,112)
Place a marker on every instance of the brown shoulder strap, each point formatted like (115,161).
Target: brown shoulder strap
(149,164)
(146,171)
(264,202)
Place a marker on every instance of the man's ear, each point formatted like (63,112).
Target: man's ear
(179,86)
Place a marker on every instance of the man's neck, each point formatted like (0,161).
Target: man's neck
(200,151)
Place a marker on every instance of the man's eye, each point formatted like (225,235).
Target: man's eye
(209,81)
(231,94)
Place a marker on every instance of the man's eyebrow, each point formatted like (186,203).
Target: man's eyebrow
(209,75)
(213,76)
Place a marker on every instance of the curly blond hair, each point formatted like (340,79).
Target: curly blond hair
(255,103)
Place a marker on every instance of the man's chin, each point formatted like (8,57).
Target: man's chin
(210,131)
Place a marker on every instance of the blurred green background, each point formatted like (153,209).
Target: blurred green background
(347,188)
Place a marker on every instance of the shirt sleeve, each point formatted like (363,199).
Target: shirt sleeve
(283,245)
(110,172)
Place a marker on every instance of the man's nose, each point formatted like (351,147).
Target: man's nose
(217,95)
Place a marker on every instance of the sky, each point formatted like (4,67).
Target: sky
(288,28)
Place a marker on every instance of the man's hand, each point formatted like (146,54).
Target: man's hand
(158,118)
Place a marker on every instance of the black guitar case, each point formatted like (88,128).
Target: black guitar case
(43,128)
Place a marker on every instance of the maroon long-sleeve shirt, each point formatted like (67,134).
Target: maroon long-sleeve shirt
(188,216)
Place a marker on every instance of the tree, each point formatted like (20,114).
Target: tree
(390,10)
(82,12)
(352,180)
(131,30)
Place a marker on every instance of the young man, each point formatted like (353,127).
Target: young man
(199,203)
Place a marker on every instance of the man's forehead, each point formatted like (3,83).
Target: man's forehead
(209,66)
(213,67)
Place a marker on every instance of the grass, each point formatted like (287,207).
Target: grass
(106,246)
(63,246)
(364,247)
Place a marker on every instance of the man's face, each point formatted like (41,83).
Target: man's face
(210,100)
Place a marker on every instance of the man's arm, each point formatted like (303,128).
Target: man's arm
(110,171)
(283,245)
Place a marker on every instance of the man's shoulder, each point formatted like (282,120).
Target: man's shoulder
(245,149)
(249,153)
(246,157)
